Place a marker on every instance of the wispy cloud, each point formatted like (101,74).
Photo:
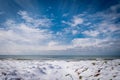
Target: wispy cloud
(91,33)
(37,22)
(75,21)
(89,42)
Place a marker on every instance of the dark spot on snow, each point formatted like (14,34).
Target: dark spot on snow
(99,70)
(96,74)
(78,73)
(42,71)
(13,73)
(112,68)
(67,74)
(114,76)
(76,70)
(51,67)
(67,61)
(33,67)
(85,69)
(16,79)
(105,62)
(57,79)
(98,79)
(80,77)
(3,73)
(44,68)
(93,63)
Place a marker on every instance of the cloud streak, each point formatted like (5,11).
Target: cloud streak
(40,22)
(75,21)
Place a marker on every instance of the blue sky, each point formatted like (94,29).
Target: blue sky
(80,27)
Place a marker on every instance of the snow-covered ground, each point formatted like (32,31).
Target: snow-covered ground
(60,70)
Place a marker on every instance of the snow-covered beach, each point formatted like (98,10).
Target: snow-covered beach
(60,70)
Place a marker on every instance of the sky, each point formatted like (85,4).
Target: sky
(61,27)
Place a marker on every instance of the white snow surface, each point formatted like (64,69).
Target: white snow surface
(60,70)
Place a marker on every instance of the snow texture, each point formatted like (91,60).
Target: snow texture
(60,70)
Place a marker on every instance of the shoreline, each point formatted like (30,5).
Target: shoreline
(58,57)
(52,59)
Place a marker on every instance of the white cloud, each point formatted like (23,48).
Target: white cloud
(91,33)
(88,23)
(65,22)
(75,21)
(27,32)
(40,22)
(65,14)
(25,16)
(73,27)
(52,43)
(88,43)
(108,28)
(74,32)
(85,42)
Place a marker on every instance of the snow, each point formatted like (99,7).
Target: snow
(60,70)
